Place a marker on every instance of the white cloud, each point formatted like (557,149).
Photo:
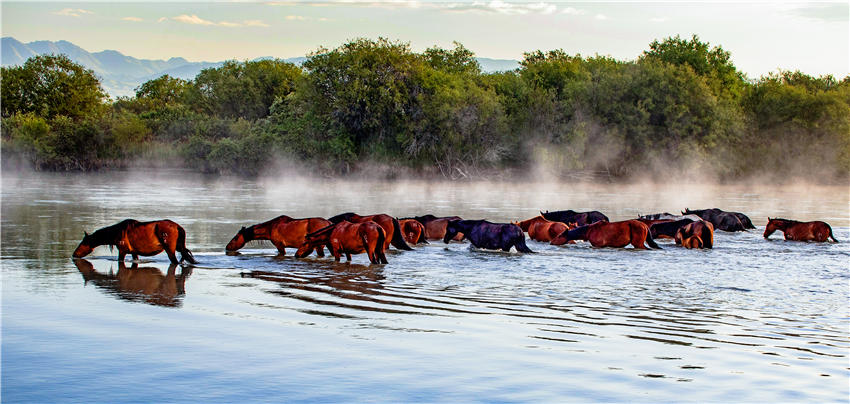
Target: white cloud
(72,12)
(133,19)
(295,18)
(192,19)
(601,17)
(573,11)
(255,23)
(499,6)
(195,20)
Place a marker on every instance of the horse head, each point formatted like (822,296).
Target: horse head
(238,241)
(452,229)
(85,247)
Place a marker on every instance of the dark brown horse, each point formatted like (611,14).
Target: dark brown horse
(391,226)
(605,234)
(722,220)
(139,238)
(348,238)
(580,218)
(282,231)
(413,231)
(667,228)
(435,227)
(541,229)
(146,284)
(800,231)
(698,234)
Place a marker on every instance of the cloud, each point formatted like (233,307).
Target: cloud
(601,17)
(658,19)
(133,19)
(72,12)
(500,7)
(573,11)
(835,12)
(295,18)
(195,20)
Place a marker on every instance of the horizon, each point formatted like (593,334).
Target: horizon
(762,37)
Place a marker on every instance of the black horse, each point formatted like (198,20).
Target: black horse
(492,236)
(722,220)
(667,229)
(571,216)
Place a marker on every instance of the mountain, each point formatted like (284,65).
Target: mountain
(120,74)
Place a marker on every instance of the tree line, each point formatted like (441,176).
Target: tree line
(680,108)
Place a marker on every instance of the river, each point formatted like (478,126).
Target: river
(750,320)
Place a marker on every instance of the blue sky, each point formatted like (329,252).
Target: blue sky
(813,37)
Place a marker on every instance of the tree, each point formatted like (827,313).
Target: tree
(50,86)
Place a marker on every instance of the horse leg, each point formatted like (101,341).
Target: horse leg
(638,240)
(135,257)
(335,251)
(121,255)
(348,257)
(320,251)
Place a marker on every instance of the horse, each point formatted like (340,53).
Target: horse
(139,238)
(391,226)
(666,216)
(435,227)
(610,234)
(722,220)
(413,231)
(147,284)
(696,235)
(283,231)
(484,234)
(540,229)
(667,229)
(800,231)
(580,218)
(348,238)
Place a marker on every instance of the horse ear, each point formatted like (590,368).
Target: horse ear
(85,234)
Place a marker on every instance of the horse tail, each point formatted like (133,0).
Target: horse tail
(830,233)
(521,247)
(185,254)
(650,241)
(398,237)
(422,238)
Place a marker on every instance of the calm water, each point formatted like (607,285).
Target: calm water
(751,320)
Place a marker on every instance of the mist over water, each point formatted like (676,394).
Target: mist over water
(750,320)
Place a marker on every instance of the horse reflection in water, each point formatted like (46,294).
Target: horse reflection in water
(349,286)
(145,284)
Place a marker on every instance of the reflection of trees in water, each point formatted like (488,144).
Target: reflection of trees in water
(145,284)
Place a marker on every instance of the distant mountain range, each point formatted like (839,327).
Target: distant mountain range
(120,74)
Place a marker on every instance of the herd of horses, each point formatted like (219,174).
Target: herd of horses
(350,233)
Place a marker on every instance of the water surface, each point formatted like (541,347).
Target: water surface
(751,320)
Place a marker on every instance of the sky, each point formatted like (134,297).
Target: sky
(762,36)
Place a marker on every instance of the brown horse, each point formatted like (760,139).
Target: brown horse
(800,231)
(139,238)
(282,231)
(699,234)
(391,227)
(413,231)
(348,238)
(605,234)
(147,284)
(435,227)
(541,229)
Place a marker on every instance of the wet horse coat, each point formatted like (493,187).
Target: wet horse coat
(139,238)
(283,231)
(492,236)
(391,227)
(349,238)
(800,231)
(571,216)
(614,234)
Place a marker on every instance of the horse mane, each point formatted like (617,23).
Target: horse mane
(340,217)
(579,232)
(792,221)
(325,229)
(108,234)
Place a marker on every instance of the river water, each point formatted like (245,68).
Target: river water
(750,320)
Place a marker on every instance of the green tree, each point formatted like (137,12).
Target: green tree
(50,86)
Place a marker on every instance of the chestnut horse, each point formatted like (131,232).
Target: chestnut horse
(391,226)
(435,227)
(348,238)
(282,231)
(413,231)
(540,229)
(606,234)
(139,238)
(800,231)
(696,235)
